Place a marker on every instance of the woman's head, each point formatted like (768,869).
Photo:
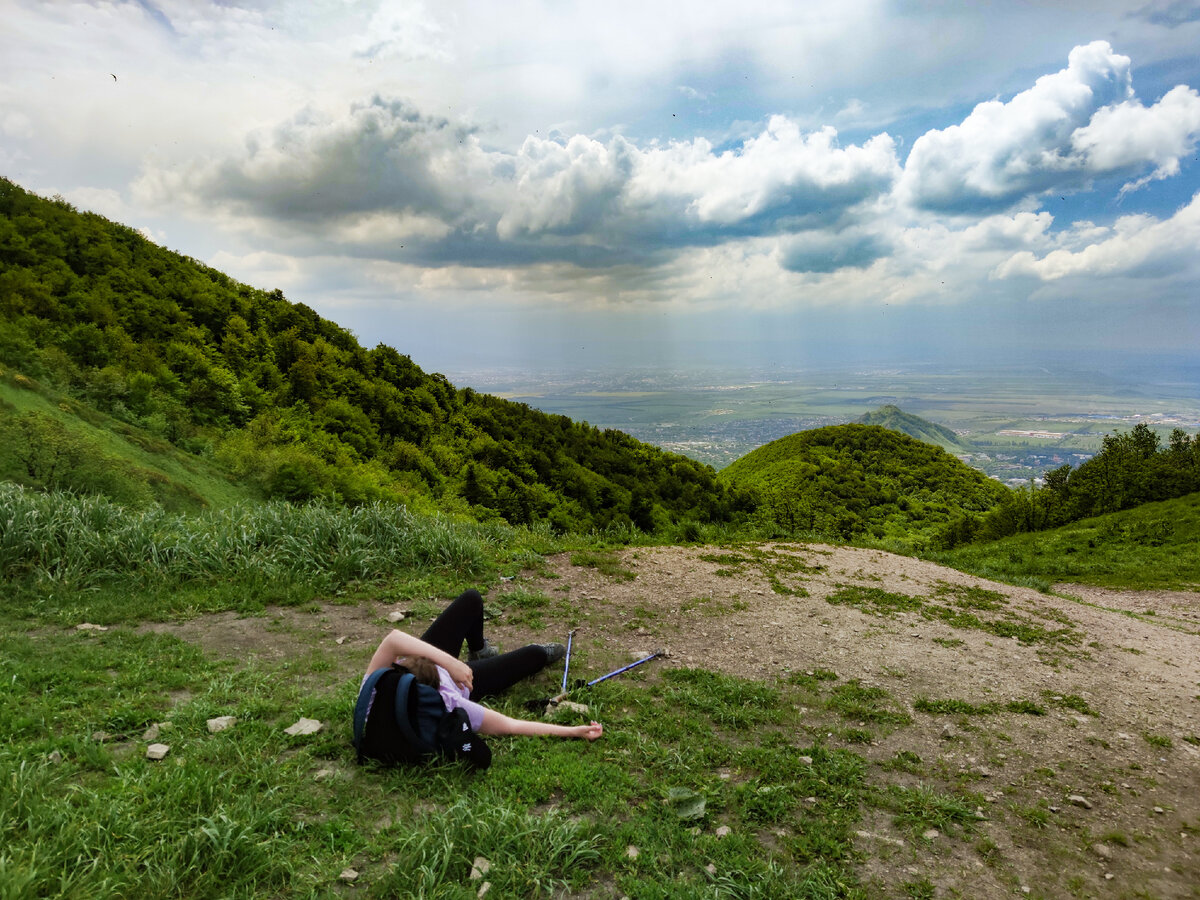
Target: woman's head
(422,669)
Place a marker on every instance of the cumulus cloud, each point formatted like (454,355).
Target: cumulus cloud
(1130,135)
(444,204)
(1138,244)
(1070,127)
(383,155)
(384,171)
(822,252)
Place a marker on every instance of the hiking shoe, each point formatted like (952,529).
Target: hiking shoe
(487,651)
(554,652)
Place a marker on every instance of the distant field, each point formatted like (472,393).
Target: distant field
(1005,419)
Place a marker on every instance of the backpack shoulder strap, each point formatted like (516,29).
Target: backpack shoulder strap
(363,704)
(403,721)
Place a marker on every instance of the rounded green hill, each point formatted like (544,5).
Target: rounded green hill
(861,481)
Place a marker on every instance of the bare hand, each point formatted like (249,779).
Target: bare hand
(462,675)
(591,732)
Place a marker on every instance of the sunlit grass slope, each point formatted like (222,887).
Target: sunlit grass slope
(1156,545)
(52,441)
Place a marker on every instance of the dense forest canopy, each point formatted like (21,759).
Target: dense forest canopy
(290,402)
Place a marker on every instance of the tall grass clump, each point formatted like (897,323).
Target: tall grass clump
(84,541)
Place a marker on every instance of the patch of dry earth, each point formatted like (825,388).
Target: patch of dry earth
(1139,673)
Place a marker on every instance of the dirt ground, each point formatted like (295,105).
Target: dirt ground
(1098,797)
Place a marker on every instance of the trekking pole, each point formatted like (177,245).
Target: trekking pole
(567,664)
(551,701)
(646,659)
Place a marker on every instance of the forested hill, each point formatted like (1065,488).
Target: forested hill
(895,419)
(855,481)
(291,403)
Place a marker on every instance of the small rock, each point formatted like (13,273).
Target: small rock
(395,616)
(931,834)
(349,876)
(54,758)
(157,751)
(723,831)
(220,723)
(304,726)
(1080,801)
(637,654)
(1053,809)
(152,733)
(1108,876)
(88,626)
(340,641)
(101,736)
(1102,850)
(710,869)
(573,707)
(632,852)
(1025,889)
(480,867)
(323,774)
(483,889)
(1158,810)
(806,760)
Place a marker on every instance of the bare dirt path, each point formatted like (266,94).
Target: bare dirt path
(1094,791)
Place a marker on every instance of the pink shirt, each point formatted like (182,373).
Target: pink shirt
(456,698)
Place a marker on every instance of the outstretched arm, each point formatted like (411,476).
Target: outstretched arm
(399,644)
(498,723)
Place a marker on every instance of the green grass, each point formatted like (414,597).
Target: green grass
(962,607)
(129,461)
(955,707)
(252,812)
(1149,547)
(81,542)
(604,562)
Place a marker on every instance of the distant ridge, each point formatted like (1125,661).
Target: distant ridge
(894,418)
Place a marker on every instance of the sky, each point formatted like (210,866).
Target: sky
(603,185)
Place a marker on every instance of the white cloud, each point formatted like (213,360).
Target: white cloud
(1137,244)
(782,169)
(1130,135)
(1037,141)
(384,171)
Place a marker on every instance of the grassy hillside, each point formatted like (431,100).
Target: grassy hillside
(895,419)
(1153,546)
(290,404)
(861,481)
(48,440)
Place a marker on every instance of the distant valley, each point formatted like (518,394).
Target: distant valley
(1012,424)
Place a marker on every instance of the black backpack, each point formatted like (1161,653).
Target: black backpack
(427,729)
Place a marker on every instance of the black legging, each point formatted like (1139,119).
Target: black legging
(462,621)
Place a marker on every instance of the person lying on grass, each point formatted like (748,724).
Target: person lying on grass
(433,660)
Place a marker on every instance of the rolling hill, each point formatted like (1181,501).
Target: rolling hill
(895,419)
(855,481)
